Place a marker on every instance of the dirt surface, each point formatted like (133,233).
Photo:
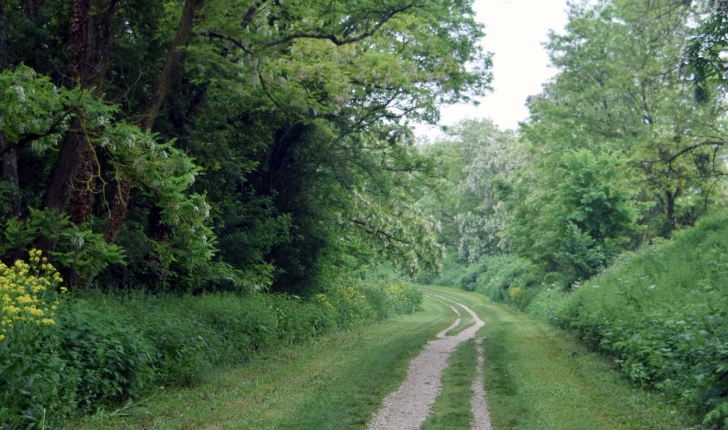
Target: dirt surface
(478,401)
(408,407)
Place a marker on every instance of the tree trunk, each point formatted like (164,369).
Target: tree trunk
(67,167)
(32,9)
(161,88)
(10,158)
(670,198)
(154,104)
(118,211)
(84,185)
(91,38)
(10,175)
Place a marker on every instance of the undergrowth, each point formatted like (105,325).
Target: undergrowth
(91,350)
(660,312)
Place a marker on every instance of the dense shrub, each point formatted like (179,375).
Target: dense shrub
(111,357)
(62,356)
(507,278)
(469,280)
(662,314)
(452,272)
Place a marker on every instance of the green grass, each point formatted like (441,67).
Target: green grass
(335,383)
(452,407)
(531,379)
(466,320)
(533,382)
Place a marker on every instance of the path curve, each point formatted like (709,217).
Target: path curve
(408,407)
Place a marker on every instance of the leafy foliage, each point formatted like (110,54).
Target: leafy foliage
(660,314)
(103,349)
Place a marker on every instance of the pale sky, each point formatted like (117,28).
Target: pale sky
(515,30)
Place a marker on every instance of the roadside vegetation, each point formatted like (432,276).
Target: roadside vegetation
(538,376)
(70,354)
(603,211)
(337,381)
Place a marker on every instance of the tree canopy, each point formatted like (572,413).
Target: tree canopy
(225,145)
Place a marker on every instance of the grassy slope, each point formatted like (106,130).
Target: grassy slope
(662,311)
(533,382)
(335,384)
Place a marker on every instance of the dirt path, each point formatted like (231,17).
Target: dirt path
(408,407)
(478,401)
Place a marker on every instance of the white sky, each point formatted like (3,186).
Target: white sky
(515,30)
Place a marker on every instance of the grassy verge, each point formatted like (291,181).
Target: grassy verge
(334,383)
(533,381)
(452,407)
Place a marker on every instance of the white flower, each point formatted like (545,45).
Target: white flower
(77,241)
(21,93)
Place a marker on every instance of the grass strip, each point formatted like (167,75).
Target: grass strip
(336,383)
(452,407)
(466,320)
(533,381)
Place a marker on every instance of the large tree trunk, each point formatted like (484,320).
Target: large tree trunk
(67,167)
(91,38)
(174,56)
(154,104)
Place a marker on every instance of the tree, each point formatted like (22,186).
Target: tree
(614,96)
(261,123)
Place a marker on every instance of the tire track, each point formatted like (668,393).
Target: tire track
(408,406)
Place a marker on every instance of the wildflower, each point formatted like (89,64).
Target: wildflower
(22,290)
(21,93)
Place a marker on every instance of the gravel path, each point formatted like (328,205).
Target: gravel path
(408,407)
(478,401)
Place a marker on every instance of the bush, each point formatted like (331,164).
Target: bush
(469,281)
(108,352)
(452,271)
(504,272)
(661,313)
(65,356)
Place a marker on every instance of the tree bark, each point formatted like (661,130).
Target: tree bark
(91,34)
(118,211)
(84,185)
(670,198)
(10,175)
(161,88)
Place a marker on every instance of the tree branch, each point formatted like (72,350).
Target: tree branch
(28,138)
(334,38)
